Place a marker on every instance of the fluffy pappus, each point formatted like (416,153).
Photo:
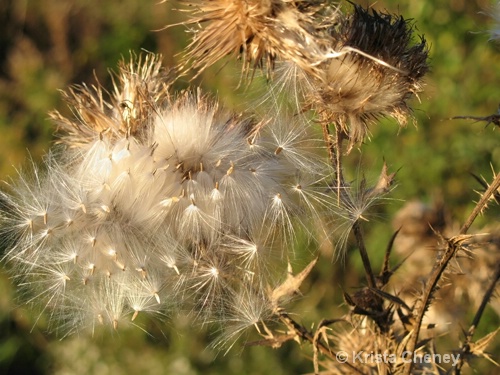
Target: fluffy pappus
(168,202)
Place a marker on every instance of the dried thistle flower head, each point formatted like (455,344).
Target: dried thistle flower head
(260,31)
(157,200)
(371,71)
(138,86)
(368,350)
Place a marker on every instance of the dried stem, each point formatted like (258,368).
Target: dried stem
(330,146)
(429,290)
(453,245)
(466,347)
(480,206)
(305,335)
(341,186)
(320,330)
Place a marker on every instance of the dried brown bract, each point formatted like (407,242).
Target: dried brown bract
(372,71)
(259,31)
(138,86)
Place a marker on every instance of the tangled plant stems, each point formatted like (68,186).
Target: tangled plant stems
(156,202)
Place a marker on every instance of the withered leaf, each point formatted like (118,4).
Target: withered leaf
(384,183)
(292,283)
(478,348)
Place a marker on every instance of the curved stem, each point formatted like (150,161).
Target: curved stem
(334,147)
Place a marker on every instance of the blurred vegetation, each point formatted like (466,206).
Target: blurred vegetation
(47,45)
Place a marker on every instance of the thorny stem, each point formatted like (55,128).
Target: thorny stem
(475,322)
(319,331)
(453,245)
(434,278)
(334,148)
(305,335)
(480,206)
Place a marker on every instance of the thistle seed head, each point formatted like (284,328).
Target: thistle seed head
(167,202)
(371,71)
(259,31)
(138,85)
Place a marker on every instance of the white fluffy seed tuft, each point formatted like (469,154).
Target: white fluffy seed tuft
(155,202)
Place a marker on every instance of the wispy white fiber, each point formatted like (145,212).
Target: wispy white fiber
(157,202)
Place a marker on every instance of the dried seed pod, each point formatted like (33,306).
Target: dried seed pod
(372,71)
(260,31)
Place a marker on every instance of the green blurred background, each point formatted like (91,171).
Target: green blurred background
(46,45)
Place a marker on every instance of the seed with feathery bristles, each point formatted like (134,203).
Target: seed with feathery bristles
(248,310)
(160,204)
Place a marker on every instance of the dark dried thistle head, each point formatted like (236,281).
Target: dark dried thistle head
(372,72)
(258,31)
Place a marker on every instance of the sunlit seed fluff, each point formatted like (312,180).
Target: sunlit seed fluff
(156,201)
(249,309)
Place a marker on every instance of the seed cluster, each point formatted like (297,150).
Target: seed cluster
(155,202)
